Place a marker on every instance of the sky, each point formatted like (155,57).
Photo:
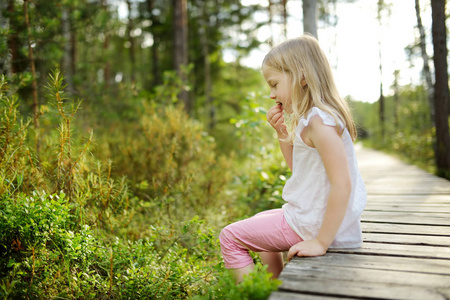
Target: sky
(353,47)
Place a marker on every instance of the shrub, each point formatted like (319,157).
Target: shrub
(73,226)
(44,252)
(172,161)
(256,286)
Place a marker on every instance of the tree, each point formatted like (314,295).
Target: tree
(13,40)
(310,17)
(221,22)
(381,6)
(156,78)
(426,66)
(285,17)
(180,52)
(396,99)
(68,56)
(32,66)
(270,9)
(203,33)
(441,92)
(131,41)
(105,47)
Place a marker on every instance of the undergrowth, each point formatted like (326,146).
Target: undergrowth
(131,212)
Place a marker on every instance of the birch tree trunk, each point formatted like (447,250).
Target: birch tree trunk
(441,92)
(310,17)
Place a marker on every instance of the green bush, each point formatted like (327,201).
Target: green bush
(72,225)
(172,162)
(45,254)
(43,250)
(256,286)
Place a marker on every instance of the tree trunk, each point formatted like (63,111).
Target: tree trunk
(441,92)
(180,46)
(207,67)
(5,64)
(131,41)
(426,66)
(271,37)
(310,17)
(32,66)
(67,56)
(381,113)
(33,75)
(13,41)
(396,99)
(106,67)
(73,51)
(156,78)
(381,99)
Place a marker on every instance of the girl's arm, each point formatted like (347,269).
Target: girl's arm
(331,149)
(276,120)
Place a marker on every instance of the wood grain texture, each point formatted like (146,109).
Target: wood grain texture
(411,229)
(406,248)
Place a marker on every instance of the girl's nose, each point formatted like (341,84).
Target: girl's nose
(272,95)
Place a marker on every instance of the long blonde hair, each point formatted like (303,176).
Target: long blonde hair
(303,59)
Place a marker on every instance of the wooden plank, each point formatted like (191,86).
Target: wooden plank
(400,172)
(408,199)
(390,263)
(436,241)
(406,249)
(407,207)
(417,251)
(406,218)
(359,289)
(403,191)
(408,229)
(351,274)
(294,296)
(427,182)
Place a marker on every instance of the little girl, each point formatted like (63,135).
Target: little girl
(325,195)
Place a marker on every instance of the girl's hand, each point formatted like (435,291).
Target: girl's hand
(307,248)
(275,117)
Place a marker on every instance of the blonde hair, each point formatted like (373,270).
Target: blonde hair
(303,59)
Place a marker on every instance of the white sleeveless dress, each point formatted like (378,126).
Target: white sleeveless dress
(306,191)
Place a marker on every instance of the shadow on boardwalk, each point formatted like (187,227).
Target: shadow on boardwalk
(406,249)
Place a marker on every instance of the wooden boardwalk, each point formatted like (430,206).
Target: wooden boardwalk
(406,249)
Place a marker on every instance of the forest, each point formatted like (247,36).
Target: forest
(133,131)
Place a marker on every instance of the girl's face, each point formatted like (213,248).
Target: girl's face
(280,87)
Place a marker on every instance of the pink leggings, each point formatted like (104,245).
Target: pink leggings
(267,231)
